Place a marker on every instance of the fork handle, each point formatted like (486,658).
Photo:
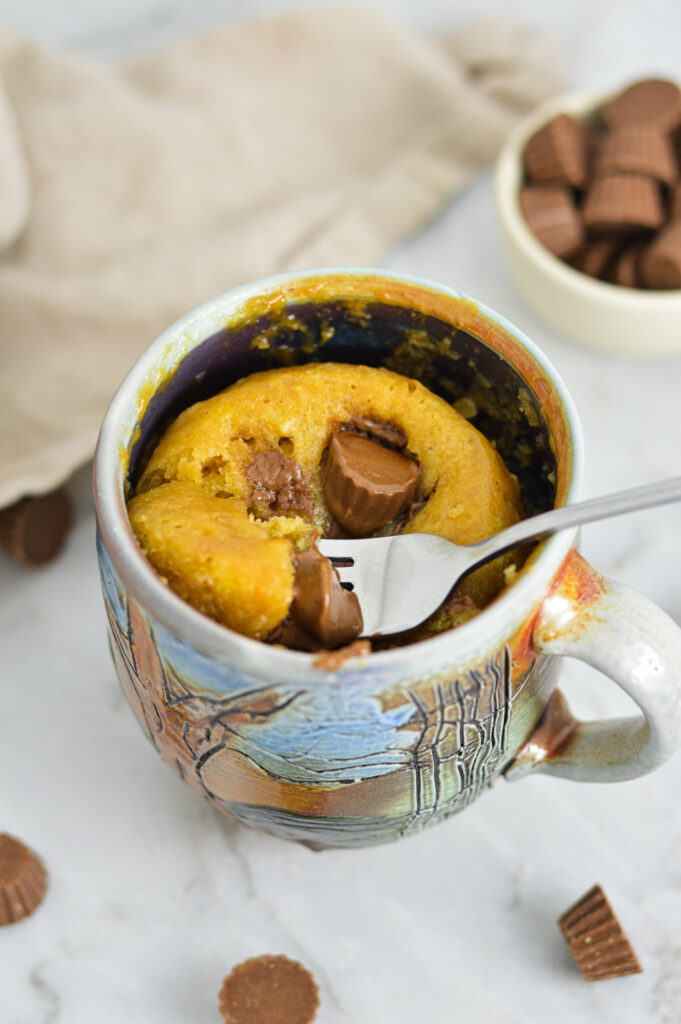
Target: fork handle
(662,492)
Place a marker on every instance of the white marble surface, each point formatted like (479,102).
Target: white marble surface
(153,897)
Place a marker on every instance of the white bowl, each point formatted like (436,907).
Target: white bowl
(609,317)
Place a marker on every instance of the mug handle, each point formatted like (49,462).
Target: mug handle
(631,640)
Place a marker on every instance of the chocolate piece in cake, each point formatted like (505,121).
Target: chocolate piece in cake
(625,203)
(596,939)
(653,101)
(389,433)
(661,262)
(23,880)
(366,485)
(637,149)
(34,530)
(321,605)
(278,483)
(269,990)
(553,218)
(556,154)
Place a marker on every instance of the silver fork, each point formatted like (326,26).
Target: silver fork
(401,580)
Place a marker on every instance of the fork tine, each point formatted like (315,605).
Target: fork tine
(393,577)
(364,567)
(342,562)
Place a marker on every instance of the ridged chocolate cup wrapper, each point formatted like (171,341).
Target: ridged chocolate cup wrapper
(653,101)
(661,262)
(596,939)
(553,218)
(675,202)
(637,149)
(269,990)
(23,880)
(625,269)
(321,606)
(556,154)
(596,258)
(34,530)
(624,203)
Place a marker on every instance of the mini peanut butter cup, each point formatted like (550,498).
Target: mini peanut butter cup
(321,606)
(637,149)
(269,990)
(661,262)
(596,939)
(624,270)
(653,101)
(379,430)
(675,202)
(595,258)
(366,485)
(23,880)
(626,203)
(34,530)
(556,154)
(553,218)
(278,483)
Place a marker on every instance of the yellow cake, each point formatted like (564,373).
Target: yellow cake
(226,542)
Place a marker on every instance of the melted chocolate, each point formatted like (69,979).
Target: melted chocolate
(278,483)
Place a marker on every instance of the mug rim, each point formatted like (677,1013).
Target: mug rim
(454,646)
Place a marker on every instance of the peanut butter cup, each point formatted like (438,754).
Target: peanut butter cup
(366,484)
(596,939)
(269,990)
(278,483)
(556,154)
(321,605)
(637,149)
(379,430)
(23,880)
(653,101)
(625,268)
(34,530)
(625,203)
(595,258)
(675,202)
(661,262)
(552,216)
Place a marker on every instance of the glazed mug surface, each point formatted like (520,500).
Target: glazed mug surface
(362,750)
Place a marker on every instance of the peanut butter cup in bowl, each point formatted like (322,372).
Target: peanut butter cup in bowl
(587,192)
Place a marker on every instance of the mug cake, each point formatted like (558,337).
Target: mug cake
(240,486)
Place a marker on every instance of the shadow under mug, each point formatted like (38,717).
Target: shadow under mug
(402,738)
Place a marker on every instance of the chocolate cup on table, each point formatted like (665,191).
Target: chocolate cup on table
(34,530)
(23,880)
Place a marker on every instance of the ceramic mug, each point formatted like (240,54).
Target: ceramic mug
(381,745)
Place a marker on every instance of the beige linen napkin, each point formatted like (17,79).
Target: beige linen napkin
(130,194)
